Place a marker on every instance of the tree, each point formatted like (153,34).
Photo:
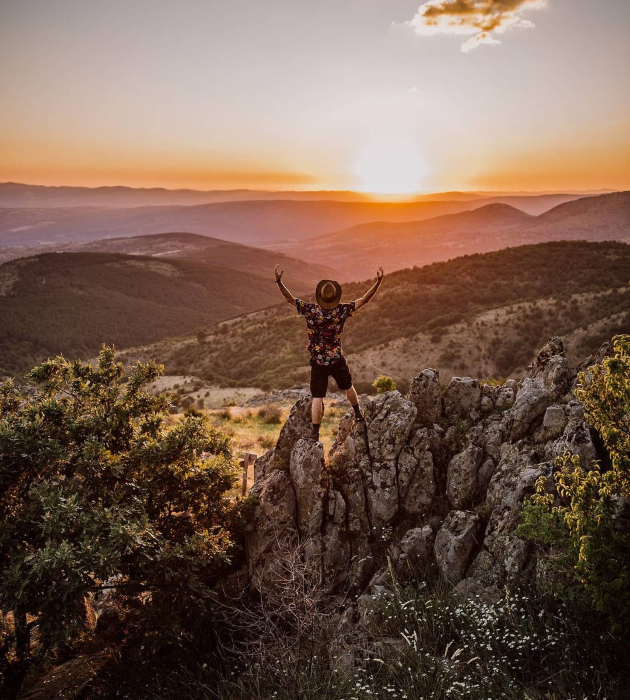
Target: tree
(96,492)
(586,527)
(384,383)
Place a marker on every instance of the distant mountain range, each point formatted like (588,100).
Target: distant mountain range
(358,250)
(16,194)
(265,223)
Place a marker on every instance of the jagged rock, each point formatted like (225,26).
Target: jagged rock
(296,426)
(576,439)
(390,481)
(416,478)
(493,436)
(340,449)
(336,542)
(506,395)
(461,481)
(456,542)
(274,520)
(425,395)
(554,421)
(548,378)
(531,403)
(415,548)
(487,404)
(484,474)
(389,420)
(262,465)
(307,471)
(463,398)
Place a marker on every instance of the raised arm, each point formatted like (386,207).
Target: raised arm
(362,301)
(285,292)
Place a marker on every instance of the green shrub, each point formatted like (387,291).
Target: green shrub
(95,491)
(589,539)
(384,383)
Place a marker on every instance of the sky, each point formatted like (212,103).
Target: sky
(373,95)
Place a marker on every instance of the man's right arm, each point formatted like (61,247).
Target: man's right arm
(283,290)
(362,301)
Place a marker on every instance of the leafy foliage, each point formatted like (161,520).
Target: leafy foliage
(588,529)
(97,492)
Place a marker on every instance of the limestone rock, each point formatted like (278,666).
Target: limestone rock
(415,548)
(547,379)
(576,439)
(461,485)
(389,420)
(505,397)
(425,395)
(416,478)
(297,425)
(274,524)
(307,471)
(531,403)
(554,421)
(456,542)
(462,398)
(410,471)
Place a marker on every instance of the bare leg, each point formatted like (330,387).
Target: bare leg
(317,410)
(351,395)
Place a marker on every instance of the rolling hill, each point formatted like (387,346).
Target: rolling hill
(256,222)
(358,250)
(70,303)
(191,246)
(482,315)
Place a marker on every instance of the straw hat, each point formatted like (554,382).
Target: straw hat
(328,294)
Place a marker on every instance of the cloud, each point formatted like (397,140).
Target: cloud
(479,19)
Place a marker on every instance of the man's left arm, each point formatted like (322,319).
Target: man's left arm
(362,301)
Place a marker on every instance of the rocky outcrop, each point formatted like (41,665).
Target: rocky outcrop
(455,543)
(434,478)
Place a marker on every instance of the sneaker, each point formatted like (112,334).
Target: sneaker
(360,418)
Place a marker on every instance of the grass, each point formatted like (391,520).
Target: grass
(256,429)
(413,642)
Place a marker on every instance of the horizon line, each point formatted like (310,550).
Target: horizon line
(375,195)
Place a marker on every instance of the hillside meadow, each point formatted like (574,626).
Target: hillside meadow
(482,315)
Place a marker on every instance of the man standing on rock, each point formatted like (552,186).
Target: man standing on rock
(325,319)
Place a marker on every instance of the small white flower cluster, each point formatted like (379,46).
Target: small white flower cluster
(472,649)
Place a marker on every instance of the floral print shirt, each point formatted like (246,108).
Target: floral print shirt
(325,327)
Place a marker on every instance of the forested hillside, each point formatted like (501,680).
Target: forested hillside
(70,303)
(486,312)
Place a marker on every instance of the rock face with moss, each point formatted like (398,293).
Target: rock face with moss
(434,478)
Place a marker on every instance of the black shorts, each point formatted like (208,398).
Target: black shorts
(319,377)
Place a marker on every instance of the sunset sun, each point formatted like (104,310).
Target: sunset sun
(390,166)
